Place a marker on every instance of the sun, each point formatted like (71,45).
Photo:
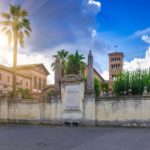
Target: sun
(3,40)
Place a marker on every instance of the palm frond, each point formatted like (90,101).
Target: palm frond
(6,23)
(3,29)
(27,33)
(16,21)
(21,39)
(18,9)
(63,53)
(55,56)
(5,15)
(15,10)
(12,10)
(26,24)
(53,66)
(23,13)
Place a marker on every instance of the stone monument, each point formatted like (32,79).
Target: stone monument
(90,75)
(73,107)
(57,76)
(72,94)
(56,99)
(89,103)
(145,92)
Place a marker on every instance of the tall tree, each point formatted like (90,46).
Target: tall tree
(15,25)
(75,64)
(62,55)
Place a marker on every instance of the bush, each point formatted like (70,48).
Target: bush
(97,87)
(133,82)
(50,93)
(25,93)
(104,86)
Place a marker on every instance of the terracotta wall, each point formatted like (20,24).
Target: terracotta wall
(39,76)
(6,80)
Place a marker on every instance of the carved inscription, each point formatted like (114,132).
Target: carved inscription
(72,97)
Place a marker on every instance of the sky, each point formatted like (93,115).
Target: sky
(83,25)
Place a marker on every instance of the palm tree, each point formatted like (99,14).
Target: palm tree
(15,25)
(62,55)
(75,64)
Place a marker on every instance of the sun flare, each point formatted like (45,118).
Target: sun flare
(3,40)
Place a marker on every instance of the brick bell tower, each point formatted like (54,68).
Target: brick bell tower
(115,66)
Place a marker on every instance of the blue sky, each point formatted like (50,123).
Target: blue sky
(85,25)
(120,19)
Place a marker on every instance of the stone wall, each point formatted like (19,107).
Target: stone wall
(123,111)
(25,112)
(107,111)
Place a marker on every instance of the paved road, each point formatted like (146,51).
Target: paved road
(14,137)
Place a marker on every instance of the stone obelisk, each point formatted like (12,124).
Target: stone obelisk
(90,75)
(57,76)
(89,104)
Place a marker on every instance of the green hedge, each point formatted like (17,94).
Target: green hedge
(132,82)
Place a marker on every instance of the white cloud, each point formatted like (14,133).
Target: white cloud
(105,75)
(33,58)
(142,32)
(94,3)
(94,33)
(93,6)
(138,63)
(146,38)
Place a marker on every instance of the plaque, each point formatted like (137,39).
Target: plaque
(72,97)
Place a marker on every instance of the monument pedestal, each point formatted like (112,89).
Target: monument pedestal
(72,95)
(72,116)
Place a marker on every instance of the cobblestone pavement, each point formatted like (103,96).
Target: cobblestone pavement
(21,137)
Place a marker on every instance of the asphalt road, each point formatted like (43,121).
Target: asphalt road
(14,137)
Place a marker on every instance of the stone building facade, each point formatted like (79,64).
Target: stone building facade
(115,66)
(32,77)
(38,73)
(96,75)
(6,79)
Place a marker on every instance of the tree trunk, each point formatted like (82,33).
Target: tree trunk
(15,60)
